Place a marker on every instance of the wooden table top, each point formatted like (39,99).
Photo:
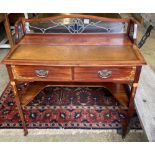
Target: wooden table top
(75,54)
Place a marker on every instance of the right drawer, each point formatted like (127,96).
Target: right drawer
(98,74)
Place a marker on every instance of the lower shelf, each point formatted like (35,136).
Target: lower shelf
(119,91)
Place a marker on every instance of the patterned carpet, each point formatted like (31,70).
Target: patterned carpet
(58,107)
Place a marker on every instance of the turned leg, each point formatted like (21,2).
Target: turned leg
(13,84)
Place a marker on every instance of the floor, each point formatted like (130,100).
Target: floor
(145,101)
(148,50)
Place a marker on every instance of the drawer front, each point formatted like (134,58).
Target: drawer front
(104,74)
(42,73)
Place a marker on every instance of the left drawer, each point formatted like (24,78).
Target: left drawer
(41,73)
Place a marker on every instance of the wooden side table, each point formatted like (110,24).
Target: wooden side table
(76,50)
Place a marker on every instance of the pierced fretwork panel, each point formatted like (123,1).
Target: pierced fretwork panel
(75,25)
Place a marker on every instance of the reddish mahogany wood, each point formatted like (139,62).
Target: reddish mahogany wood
(77,39)
(54,73)
(74,60)
(91,74)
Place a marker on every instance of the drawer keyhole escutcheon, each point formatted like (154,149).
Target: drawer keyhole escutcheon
(41,72)
(104,74)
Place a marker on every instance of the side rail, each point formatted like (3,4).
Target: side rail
(19,30)
(133,28)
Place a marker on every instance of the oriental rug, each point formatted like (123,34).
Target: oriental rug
(68,108)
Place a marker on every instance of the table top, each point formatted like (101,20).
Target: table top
(75,54)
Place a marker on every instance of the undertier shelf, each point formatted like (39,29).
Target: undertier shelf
(34,89)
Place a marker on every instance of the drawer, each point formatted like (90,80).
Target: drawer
(42,73)
(104,74)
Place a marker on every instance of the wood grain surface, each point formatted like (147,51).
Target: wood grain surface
(74,60)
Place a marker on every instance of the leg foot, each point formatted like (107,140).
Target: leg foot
(123,132)
(25,132)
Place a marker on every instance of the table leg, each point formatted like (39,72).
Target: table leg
(131,110)
(13,84)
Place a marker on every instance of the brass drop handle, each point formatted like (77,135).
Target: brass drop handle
(104,74)
(41,72)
